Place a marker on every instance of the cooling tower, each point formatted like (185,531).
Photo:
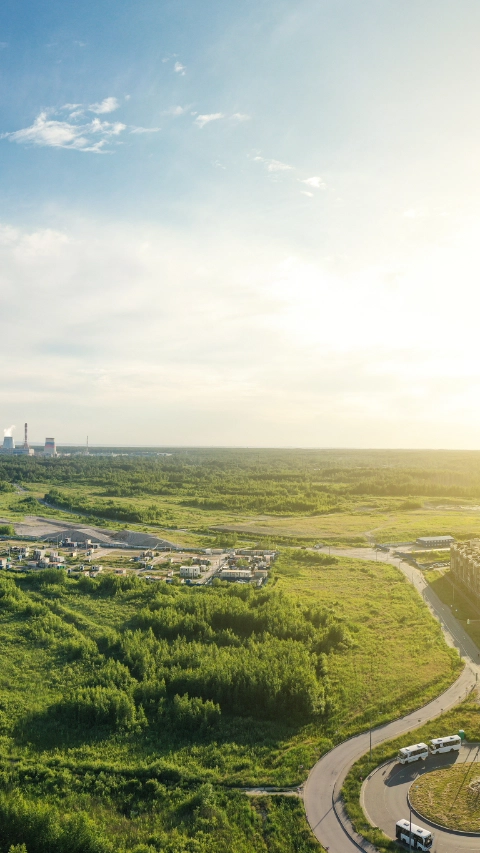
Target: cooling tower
(50,447)
(9,442)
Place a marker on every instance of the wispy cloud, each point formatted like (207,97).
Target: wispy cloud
(108,105)
(145,129)
(202,120)
(240,117)
(80,43)
(273,165)
(3,45)
(307,193)
(315,182)
(54,133)
(180,69)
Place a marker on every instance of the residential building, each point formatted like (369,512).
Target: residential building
(465,565)
(190,571)
(236,575)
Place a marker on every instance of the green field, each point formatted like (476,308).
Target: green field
(341,497)
(131,718)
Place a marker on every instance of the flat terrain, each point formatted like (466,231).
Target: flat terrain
(142,714)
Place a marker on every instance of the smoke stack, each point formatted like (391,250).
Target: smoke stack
(25,446)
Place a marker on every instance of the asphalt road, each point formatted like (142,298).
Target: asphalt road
(322,789)
(384,797)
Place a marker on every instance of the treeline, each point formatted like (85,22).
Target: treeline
(105,508)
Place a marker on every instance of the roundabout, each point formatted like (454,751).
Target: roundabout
(444,792)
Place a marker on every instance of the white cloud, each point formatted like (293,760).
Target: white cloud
(273,165)
(145,130)
(54,133)
(315,182)
(175,111)
(241,117)
(202,120)
(108,105)
(306,192)
(180,69)
(80,43)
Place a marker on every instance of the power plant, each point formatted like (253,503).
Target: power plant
(50,447)
(8,446)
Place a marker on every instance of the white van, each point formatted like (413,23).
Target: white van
(412,753)
(444,744)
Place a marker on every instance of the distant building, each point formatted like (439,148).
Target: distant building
(435,541)
(50,447)
(190,571)
(39,553)
(236,575)
(465,565)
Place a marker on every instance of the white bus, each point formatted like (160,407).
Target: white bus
(412,753)
(413,836)
(444,744)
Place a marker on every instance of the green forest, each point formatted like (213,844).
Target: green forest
(90,744)
(267,481)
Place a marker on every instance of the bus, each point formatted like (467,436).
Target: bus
(412,753)
(444,744)
(413,836)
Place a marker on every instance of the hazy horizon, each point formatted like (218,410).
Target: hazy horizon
(243,224)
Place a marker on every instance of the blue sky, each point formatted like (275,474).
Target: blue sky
(241,222)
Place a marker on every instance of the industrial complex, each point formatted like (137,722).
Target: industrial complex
(9,447)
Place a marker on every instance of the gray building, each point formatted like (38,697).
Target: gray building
(435,541)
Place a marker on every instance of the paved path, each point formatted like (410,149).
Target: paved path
(384,797)
(322,789)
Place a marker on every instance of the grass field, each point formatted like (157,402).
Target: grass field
(450,797)
(383,609)
(194,526)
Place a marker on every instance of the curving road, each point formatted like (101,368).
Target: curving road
(322,789)
(384,797)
